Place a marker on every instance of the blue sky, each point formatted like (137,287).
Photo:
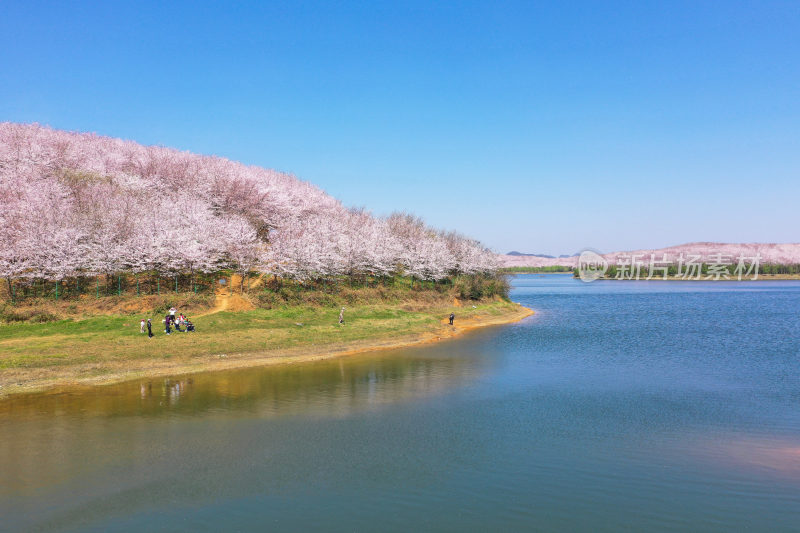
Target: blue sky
(542,128)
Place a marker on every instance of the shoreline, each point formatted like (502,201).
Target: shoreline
(66,378)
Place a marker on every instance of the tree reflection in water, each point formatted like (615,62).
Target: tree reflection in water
(325,388)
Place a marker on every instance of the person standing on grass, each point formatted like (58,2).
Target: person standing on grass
(452,317)
(167,320)
(141,326)
(149,329)
(172,312)
(341,316)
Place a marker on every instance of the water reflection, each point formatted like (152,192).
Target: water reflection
(50,441)
(326,388)
(766,454)
(652,408)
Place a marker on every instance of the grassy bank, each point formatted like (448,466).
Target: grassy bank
(107,347)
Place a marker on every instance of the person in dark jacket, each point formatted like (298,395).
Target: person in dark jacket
(167,320)
(149,329)
(452,317)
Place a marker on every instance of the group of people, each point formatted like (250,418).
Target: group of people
(177,322)
(170,321)
(148,325)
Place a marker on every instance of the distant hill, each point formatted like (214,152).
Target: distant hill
(515,253)
(531,255)
(707,251)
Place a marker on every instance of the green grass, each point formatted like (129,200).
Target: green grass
(108,341)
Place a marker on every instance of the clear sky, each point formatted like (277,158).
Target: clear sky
(540,127)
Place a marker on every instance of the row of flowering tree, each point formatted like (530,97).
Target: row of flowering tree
(75,205)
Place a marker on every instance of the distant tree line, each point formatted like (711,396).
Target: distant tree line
(534,270)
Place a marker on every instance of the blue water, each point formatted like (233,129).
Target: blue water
(642,406)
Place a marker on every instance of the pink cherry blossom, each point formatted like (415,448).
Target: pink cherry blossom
(81,204)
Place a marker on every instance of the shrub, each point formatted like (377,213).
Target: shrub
(44,316)
(481,286)
(27,315)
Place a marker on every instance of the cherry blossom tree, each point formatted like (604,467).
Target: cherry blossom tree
(80,204)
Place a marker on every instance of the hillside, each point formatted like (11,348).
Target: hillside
(76,204)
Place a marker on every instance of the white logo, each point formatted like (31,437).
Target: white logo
(591,265)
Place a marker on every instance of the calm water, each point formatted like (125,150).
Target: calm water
(645,406)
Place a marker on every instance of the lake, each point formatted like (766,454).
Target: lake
(644,406)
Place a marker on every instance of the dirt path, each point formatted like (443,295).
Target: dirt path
(227,299)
